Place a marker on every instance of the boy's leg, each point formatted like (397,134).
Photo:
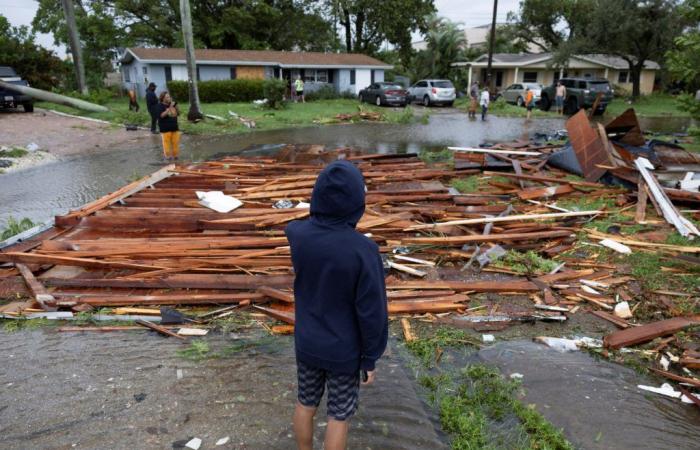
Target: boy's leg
(336,435)
(343,398)
(304,426)
(311,383)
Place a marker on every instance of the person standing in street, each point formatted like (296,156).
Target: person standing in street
(560,96)
(484,102)
(299,88)
(340,305)
(152,106)
(167,123)
(529,102)
(473,99)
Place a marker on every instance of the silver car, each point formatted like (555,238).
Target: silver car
(433,92)
(515,93)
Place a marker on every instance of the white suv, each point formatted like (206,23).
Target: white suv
(432,92)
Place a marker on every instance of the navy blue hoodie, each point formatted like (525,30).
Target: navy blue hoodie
(339,292)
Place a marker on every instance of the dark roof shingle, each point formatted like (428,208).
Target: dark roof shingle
(264,56)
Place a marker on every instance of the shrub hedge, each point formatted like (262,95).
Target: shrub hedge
(228,91)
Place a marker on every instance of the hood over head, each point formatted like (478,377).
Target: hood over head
(339,195)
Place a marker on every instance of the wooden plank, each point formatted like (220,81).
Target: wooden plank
(496,152)
(33,258)
(672,376)
(640,212)
(515,218)
(162,330)
(109,199)
(543,179)
(282,316)
(39,292)
(648,332)
(184,281)
(546,192)
(612,319)
(588,146)
(407,331)
(277,294)
(460,240)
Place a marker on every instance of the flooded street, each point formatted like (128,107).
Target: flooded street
(132,390)
(596,402)
(44,191)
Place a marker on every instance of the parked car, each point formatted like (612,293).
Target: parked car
(433,92)
(384,93)
(580,93)
(515,93)
(12,99)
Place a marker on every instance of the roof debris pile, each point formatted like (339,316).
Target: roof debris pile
(507,223)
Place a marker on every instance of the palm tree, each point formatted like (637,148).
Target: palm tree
(446,44)
(75,47)
(195,112)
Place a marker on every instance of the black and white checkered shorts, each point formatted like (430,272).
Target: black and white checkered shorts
(343,390)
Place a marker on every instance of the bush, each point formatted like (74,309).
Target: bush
(227,91)
(328,92)
(274,90)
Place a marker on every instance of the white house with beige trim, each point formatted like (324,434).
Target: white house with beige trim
(509,68)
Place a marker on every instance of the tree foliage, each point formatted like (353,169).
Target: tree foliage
(446,44)
(366,24)
(684,60)
(39,66)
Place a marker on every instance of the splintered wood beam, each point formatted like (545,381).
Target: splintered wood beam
(33,258)
(648,332)
(460,240)
(162,330)
(515,218)
(282,316)
(74,216)
(277,294)
(39,292)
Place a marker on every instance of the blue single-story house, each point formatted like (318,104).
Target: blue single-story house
(345,72)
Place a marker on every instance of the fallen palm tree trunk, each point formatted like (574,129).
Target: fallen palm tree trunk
(52,97)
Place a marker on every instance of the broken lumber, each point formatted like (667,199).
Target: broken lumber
(648,332)
(39,292)
(282,316)
(162,330)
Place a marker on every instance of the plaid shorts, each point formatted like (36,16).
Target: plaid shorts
(343,390)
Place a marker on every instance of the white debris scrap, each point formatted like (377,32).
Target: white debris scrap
(620,248)
(622,310)
(667,390)
(223,441)
(488,337)
(217,201)
(194,443)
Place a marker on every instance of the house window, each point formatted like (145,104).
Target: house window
(371,76)
(322,76)
(623,77)
(529,77)
(127,74)
(587,75)
(198,79)
(352,76)
(145,70)
(233,73)
(168,73)
(309,75)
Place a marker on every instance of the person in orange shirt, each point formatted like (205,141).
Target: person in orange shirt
(529,102)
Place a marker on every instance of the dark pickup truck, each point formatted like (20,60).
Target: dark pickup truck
(580,93)
(12,99)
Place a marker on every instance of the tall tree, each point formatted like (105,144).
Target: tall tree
(634,30)
(34,63)
(195,112)
(75,45)
(446,44)
(367,24)
(684,61)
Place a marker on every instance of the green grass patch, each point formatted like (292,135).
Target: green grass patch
(14,325)
(292,115)
(528,263)
(467,184)
(653,105)
(476,403)
(197,351)
(426,349)
(15,152)
(14,227)
(437,156)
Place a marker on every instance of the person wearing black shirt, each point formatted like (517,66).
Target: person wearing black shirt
(152,105)
(167,123)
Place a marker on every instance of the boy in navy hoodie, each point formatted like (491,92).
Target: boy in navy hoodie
(340,301)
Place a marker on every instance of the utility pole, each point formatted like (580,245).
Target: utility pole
(75,47)
(195,112)
(492,43)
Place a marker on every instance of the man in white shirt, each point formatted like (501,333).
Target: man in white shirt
(484,102)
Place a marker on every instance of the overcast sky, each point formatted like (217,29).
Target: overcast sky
(470,13)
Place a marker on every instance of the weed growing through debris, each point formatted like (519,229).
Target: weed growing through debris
(428,349)
(476,401)
(528,263)
(466,185)
(13,325)
(406,116)
(15,226)
(437,156)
